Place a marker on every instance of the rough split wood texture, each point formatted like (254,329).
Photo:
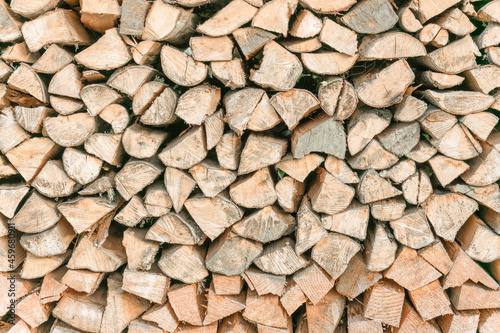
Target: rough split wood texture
(257,166)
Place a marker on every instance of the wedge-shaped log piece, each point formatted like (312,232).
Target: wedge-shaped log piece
(36,267)
(181,68)
(221,306)
(488,196)
(198,103)
(132,213)
(294,105)
(84,212)
(30,156)
(228,151)
(422,152)
(82,280)
(431,301)
(489,36)
(489,320)
(149,284)
(91,309)
(80,166)
(265,225)
(411,271)
(364,125)
(471,296)
(453,58)
(231,254)
(328,63)
(417,188)
(436,255)
(230,73)
(121,307)
(412,229)
(299,45)
(136,175)
(97,96)
(72,130)
(300,168)
(310,230)
(214,129)
(436,122)
(139,325)
(411,321)
(8,265)
(100,185)
(99,16)
(11,195)
(481,124)
(391,45)
(107,258)
(50,242)
(338,37)
(334,252)
(52,288)
(484,169)
(53,182)
(146,52)
(184,262)
(109,52)
(484,78)
(130,78)
(163,315)
(264,283)
(251,40)
(37,214)
(371,17)
(31,119)
(26,80)
(175,229)
(321,134)
(117,116)
(279,258)
(458,143)
(187,303)
(211,178)
(11,24)
(213,215)
(427,9)
(293,296)
(328,194)
(357,322)
(179,185)
(265,310)
(464,268)
(447,212)
(186,150)
(386,87)
(326,315)
(400,138)
(255,190)
(227,285)
(372,187)
(61,26)
(460,102)
(339,169)
(67,82)
(384,302)
(177,30)
(275,15)
(305,25)
(314,282)
(356,278)
(261,151)
(439,80)
(289,192)
(490,12)
(353,221)
(326,6)
(479,241)
(211,49)
(142,142)
(388,209)
(13,133)
(107,147)
(161,108)
(228,19)
(19,53)
(373,156)
(338,98)
(380,248)
(279,69)
(240,106)
(140,251)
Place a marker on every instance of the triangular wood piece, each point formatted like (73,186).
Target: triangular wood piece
(136,175)
(72,130)
(372,188)
(265,283)
(67,82)
(175,229)
(52,60)
(334,252)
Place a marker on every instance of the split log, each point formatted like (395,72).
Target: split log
(26,80)
(53,182)
(42,30)
(100,185)
(50,242)
(372,187)
(353,221)
(425,10)
(214,129)
(478,240)
(372,89)
(401,171)
(339,169)
(133,16)
(388,209)
(151,284)
(459,102)
(459,320)
(35,267)
(410,109)
(407,19)
(81,167)
(252,40)
(222,306)
(142,142)
(439,80)
(491,218)
(20,53)
(338,98)
(132,213)
(274,16)
(146,52)
(371,17)
(309,228)
(230,73)
(179,185)
(279,258)
(163,315)
(240,106)
(198,103)
(66,82)
(265,310)
(293,297)
(436,123)
(6,169)
(422,152)
(299,45)
(289,192)
(364,125)
(265,225)
(192,141)
(352,288)
(412,229)
(489,12)
(327,7)
(136,175)
(384,302)
(130,78)
(436,255)
(484,78)
(156,200)
(338,37)
(181,68)
(261,151)
(306,25)
(442,38)
(83,280)
(255,190)
(294,105)
(327,315)
(175,229)
(72,130)
(471,296)
(228,19)
(279,69)
(187,303)
(52,60)
(488,196)
(481,124)
(458,143)
(314,282)
(98,96)
(117,116)
(357,322)
(227,285)
(334,252)
(52,288)
(107,147)
(140,251)
(328,194)
(17,257)
(11,24)
(14,134)
(161,110)
(380,247)
(328,63)
(489,36)
(391,45)
(431,301)
(417,188)
(300,168)
(265,283)
(483,170)
(488,320)
(31,119)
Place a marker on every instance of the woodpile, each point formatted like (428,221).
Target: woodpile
(270,166)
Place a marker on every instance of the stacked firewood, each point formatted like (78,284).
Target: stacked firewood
(249,166)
